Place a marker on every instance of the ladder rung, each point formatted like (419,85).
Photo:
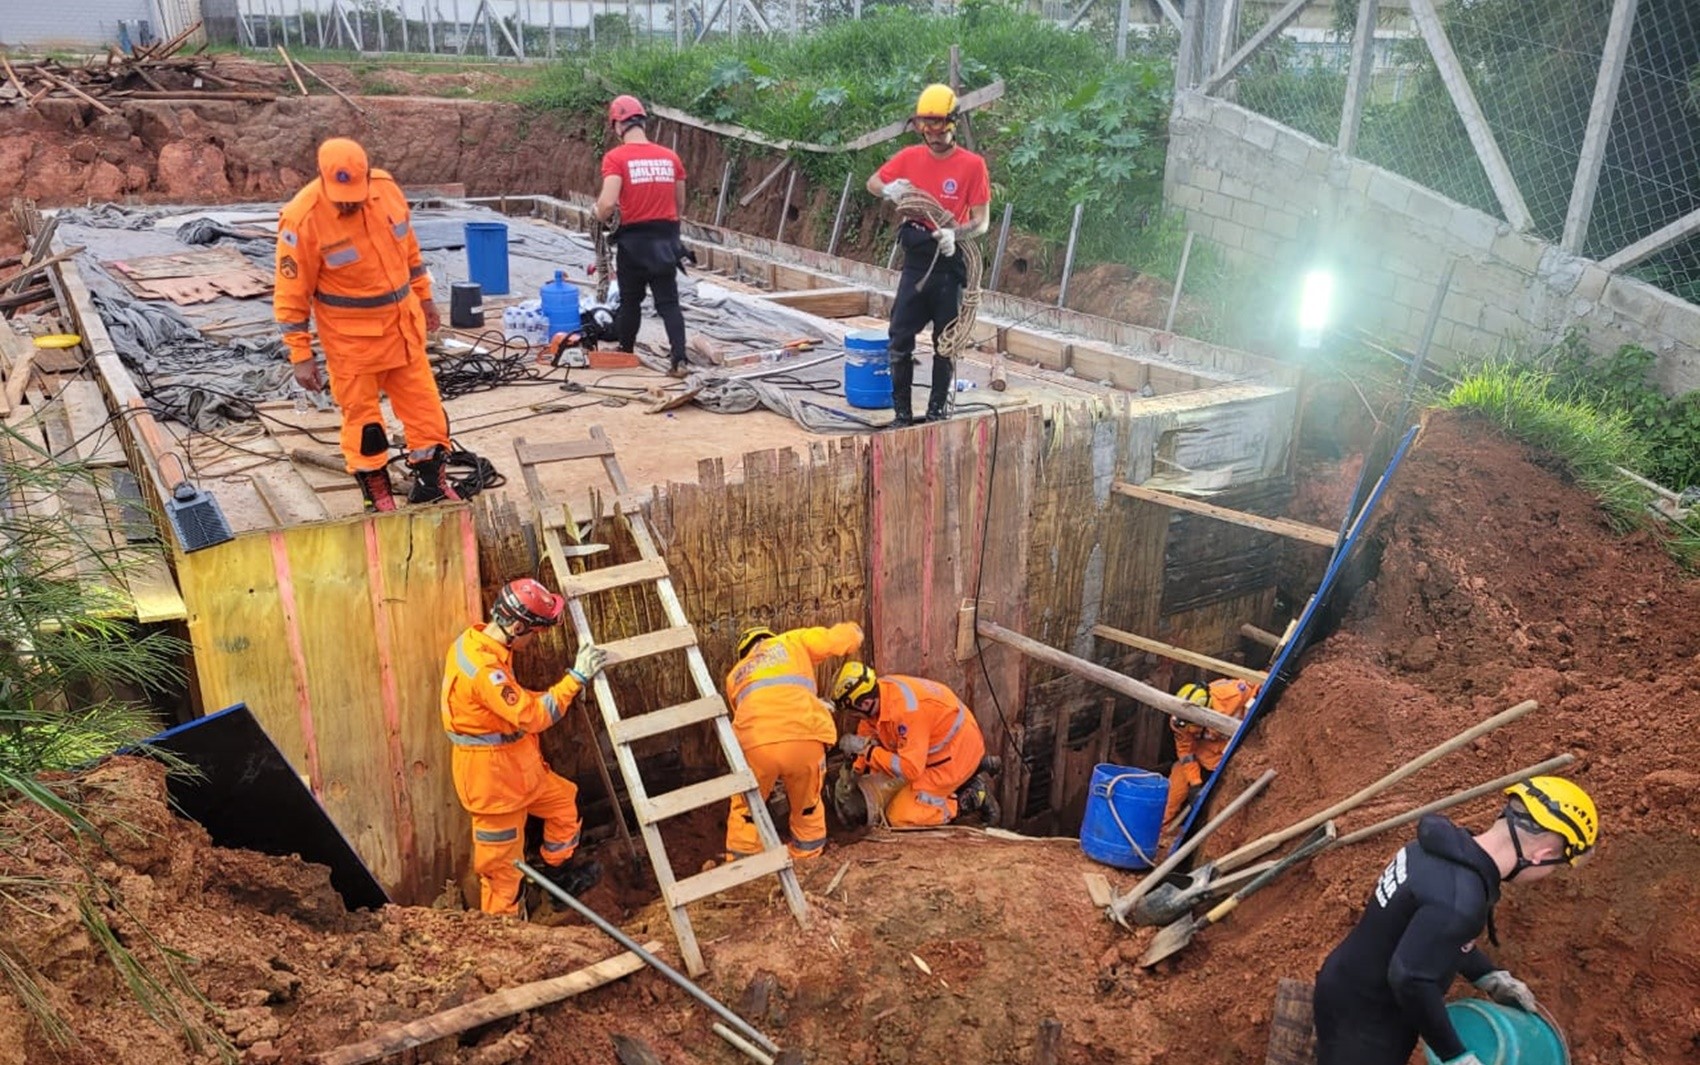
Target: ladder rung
(650,643)
(611,577)
(674,803)
(643,726)
(532,454)
(730,875)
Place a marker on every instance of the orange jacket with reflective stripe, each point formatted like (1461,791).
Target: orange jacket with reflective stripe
(772,690)
(919,724)
(493,723)
(1227,696)
(358,277)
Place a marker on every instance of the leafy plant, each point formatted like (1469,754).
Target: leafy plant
(1621,382)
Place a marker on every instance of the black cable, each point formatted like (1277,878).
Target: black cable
(980,577)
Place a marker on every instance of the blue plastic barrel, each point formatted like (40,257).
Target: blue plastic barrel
(867,370)
(560,304)
(1503,1035)
(1124,814)
(487,256)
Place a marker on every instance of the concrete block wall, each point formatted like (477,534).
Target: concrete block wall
(1266,194)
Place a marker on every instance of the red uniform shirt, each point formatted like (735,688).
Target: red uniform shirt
(958,181)
(647,174)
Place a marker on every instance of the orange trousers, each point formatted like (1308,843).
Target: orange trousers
(498,841)
(413,397)
(801,764)
(932,799)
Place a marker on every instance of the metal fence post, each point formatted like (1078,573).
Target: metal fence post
(1068,256)
(1003,243)
(838,219)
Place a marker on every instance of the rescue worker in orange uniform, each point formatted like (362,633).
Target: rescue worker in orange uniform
(499,772)
(1198,750)
(918,732)
(348,262)
(785,728)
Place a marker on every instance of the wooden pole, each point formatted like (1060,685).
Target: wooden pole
(725,183)
(1262,636)
(1121,907)
(1179,654)
(1310,534)
(1003,244)
(838,219)
(1191,713)
(484,1010)
(1049,1046)
(320,78)
(1180,280)
(290,63)
(1068,256)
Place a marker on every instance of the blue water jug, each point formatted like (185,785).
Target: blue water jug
(560,304)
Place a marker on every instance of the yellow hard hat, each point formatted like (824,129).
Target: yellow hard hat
(752,636)
(855,681)
(937,101)
(1194,693)
(1559,806)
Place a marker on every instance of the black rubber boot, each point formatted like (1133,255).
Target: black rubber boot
(431,479)
(976,797)
(375,488)
(902,391)
(991,765)
(938,397)
(574,876)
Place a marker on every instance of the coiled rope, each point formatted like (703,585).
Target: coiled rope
(603,235)
(953,340)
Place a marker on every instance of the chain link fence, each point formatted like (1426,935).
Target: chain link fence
(1533,68)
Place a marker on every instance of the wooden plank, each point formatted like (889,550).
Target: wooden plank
(667,719)
(532,454)
(1470,110)
(1653,243)
(658,808)
(1050,352)
(482,1011)
(1257,635)
(607,578)
(93,431)
(1179,654)
(1281,526)
(650,643)
(724,877)
(1098,888)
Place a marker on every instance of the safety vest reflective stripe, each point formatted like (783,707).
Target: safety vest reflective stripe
(553,706)
(484,739)
(910,703)
(464,660)
(496,835)
(293,327)
(956,726)
(808,844)
(556,848)
(769,682)
(418,271)
(896,764)
(932,800)
(363,302)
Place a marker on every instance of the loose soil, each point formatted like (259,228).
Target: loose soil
(1499,581)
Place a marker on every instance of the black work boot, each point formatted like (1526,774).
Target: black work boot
(991,765)
(976,797)
(574,876)
(375,488)
(431,478)
(902,391)
(938,397)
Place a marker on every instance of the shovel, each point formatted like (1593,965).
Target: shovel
(1174,939)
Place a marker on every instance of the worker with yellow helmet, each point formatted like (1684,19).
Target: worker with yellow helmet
(1198,750)
(930,289)
(1385,985)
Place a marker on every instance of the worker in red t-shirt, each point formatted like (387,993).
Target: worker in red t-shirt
(930,290)
(646,184)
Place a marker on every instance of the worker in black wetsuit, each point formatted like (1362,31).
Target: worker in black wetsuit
(1385,984)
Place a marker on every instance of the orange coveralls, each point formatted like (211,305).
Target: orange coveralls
(499,772)
(1198,751)
(785,728)
(361,279)
(926,737)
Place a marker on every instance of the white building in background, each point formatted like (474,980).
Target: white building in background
(91,25)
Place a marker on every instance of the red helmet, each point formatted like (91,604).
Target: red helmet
(529,603)
(626,108)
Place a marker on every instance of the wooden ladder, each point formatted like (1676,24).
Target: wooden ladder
(556,525)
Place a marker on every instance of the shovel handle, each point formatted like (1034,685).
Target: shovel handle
(1120,908)
(1322,839)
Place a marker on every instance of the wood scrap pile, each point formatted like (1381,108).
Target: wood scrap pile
(188,277)
(162,71)
(33,281)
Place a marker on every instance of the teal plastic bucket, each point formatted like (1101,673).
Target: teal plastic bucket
(560,304)
(1124,814)
(487,256)
(1503,1035)
(867,370)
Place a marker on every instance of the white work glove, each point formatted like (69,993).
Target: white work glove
(1466,1058)
(946,236)
(896,190)
(1507,990)
(853,745)
(590,661)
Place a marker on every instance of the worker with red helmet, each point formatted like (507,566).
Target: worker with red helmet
(784,728)
(493,723)
(645,184)
(930,288)
(349,263)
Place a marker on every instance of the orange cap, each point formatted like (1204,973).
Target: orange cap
(343,169)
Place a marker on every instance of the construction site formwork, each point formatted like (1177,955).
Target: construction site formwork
(334,631)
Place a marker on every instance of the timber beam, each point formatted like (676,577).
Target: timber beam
(1297,530)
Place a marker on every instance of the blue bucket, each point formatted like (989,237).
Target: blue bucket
(487,256)
(1134,796)
(867,370)
(1503,1035)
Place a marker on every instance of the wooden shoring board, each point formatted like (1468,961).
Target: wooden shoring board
(1179,654)
(94,430)
(142,566)
(1312,534)
(676,894)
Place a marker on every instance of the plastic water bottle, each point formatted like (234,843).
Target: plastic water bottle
(963,386)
